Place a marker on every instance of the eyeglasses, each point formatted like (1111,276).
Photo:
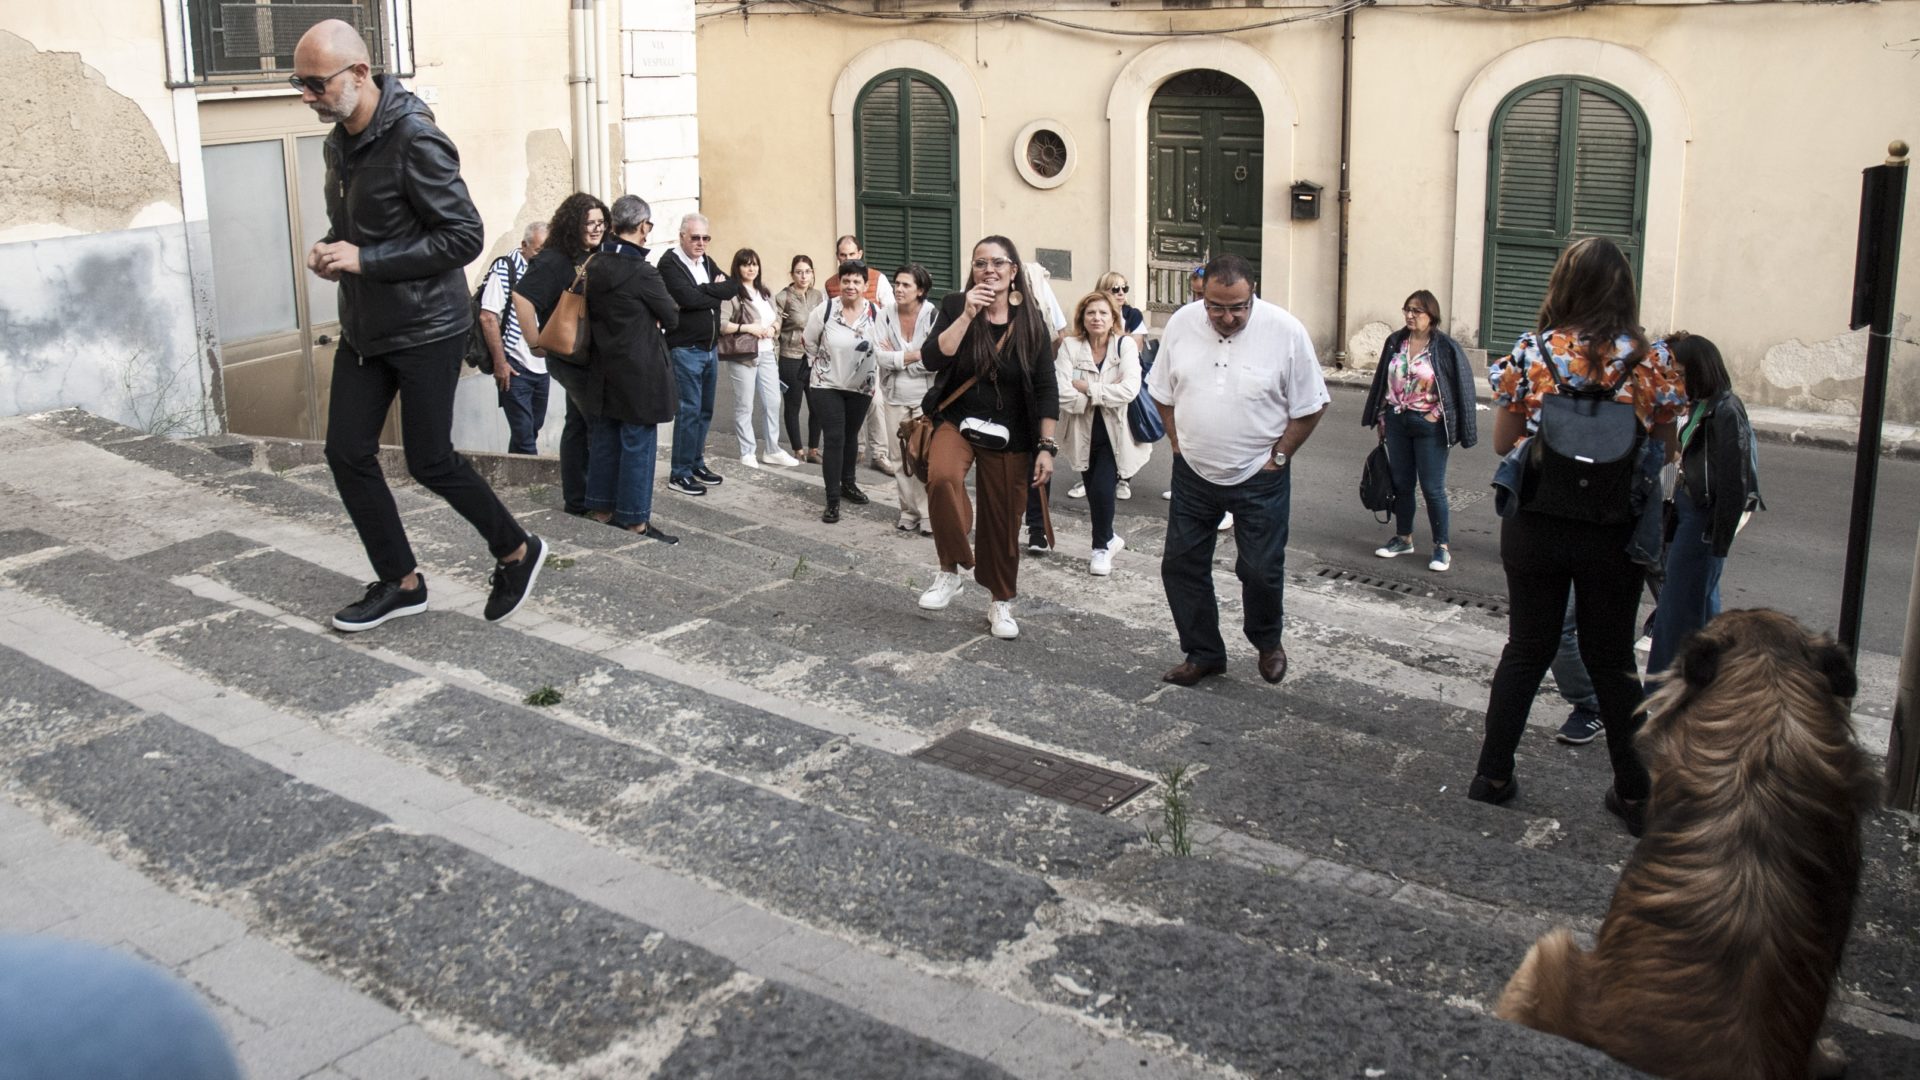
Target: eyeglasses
(699,238)
(316,84)
(1118,290)
(997,264)
(1412,311)
(1223,309)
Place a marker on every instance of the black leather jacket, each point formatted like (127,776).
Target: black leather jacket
(395,191)
(1719,470)
(1452,379)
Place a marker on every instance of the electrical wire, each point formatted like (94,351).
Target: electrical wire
(746,7)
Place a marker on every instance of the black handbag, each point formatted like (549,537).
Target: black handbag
(1376,484)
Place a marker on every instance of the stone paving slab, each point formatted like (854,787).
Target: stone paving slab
(513,750)
(191,804)
(695,726)
(40,705)
(181,459)
(279,664)
(449,933)
(188,556)
(823,868)
(1203,989)
(113,595)
(21,541)
(780,1033)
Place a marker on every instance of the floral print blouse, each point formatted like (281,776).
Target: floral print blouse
(1519,380)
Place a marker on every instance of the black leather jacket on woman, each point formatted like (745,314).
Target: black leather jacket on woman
(1452,380)
(1719,470)
(394,190)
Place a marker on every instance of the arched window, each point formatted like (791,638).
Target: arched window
(907,207)
(1567,158)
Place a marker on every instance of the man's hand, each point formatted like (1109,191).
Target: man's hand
(331,260)
(502,375)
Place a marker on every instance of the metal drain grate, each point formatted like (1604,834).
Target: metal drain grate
(1024,768)
(1401,588)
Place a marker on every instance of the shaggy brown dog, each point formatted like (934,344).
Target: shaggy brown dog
(1718,955)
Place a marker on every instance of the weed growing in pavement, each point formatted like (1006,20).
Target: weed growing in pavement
(561,563)
(537,491)
(800,568)
(912,582)
(544,696)
(1175,807)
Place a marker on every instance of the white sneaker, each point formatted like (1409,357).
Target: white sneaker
(1114,545)
(1078,490)
(1000,617)
(781,458)
(1122,490)
(1226,521)
(1102,562)
(1168,494)
(945,587)
(749,461)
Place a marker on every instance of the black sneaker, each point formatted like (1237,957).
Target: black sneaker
(384,600)
(651,532)
(686,485)
(512,582)
(1037,543)
(1482,790)
(707,476)
(854,495)
(1582,727)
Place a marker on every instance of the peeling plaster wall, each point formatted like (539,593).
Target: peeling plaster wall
(103,322)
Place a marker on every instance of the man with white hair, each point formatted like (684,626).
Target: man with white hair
(401,228)
(520,375)
(700,288)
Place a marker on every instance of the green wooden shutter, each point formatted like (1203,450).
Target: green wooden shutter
(1567,159)
(907,204)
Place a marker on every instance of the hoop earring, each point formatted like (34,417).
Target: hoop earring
(1014,299)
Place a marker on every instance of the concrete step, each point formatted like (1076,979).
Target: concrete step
(734,714)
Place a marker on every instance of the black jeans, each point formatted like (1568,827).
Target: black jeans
(573,459)
(363,388)
(841,413)
(1102,478)
(795,372)
(1261,507)
(1543,556)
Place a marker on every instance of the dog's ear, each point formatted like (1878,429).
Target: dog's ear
(1700,660)
(1835,663)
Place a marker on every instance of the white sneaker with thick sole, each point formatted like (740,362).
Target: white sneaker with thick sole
(1078,490)
(749,461)
(1000,618)
(945,587)
(1123,490)
(780,458)
(1101,564)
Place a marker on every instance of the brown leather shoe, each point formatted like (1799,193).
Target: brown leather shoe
(1273,663)
(1189,673)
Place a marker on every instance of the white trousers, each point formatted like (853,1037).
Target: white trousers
(913,493)
(877,435)
(756,396)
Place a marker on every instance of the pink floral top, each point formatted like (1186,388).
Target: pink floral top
(1410,381)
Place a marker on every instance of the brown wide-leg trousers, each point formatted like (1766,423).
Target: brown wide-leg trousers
(1002,488)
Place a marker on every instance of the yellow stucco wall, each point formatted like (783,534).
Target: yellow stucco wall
(1785,104)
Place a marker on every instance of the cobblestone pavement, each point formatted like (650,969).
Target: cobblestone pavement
(715,854)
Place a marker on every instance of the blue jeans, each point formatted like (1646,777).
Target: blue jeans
(1569,670)
(696,371)
(1417,450)
(1690,596)
(620,460)
(525,403)
(1260,508)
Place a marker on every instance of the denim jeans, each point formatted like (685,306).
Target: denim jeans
(1260,507)
(525,403)
(696,371)
(1690,596)
(1543,557)
(1568,669)
(620,461)
(1101,478)
(1417,450)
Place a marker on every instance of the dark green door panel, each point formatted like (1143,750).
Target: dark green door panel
(1204,184)
(907,206)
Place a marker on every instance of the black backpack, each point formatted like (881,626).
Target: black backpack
(1584,457)
(478,355)
(1376,484)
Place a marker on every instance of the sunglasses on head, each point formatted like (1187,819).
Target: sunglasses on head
(316,84)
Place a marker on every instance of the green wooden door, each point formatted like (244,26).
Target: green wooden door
(1567,159)
(907,207)
(1204,182)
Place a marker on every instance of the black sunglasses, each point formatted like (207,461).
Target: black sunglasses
(1121,289)
(316,84)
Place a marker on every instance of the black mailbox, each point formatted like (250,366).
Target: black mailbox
(1306,201)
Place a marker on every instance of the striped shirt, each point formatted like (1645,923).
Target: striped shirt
(494,299)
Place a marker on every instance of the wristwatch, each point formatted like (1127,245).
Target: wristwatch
(1048,445)
(1279,459)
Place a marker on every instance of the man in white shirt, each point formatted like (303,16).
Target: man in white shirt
(520,375)
(1238,377)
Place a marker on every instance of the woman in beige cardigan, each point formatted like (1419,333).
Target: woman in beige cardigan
(1098,369)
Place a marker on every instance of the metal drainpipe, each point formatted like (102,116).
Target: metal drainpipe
(605,174)
(1346,192)
(578,88)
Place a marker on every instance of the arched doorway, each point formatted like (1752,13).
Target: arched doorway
(1205,147)
(906,165)
(1567,158)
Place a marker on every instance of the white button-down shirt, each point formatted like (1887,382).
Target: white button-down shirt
(1232,398)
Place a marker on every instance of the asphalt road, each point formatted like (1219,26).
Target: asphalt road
(1791,557)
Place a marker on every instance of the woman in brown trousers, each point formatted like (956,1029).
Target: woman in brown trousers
(993,404)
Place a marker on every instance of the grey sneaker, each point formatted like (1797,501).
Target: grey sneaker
(1582,727)
(1442,560)
(1395,546)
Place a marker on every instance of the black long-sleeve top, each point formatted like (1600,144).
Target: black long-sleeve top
(1019,394)
(699,304)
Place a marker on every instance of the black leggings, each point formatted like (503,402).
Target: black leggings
(841,413)
(794,374)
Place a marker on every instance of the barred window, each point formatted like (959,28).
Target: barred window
(253,42)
